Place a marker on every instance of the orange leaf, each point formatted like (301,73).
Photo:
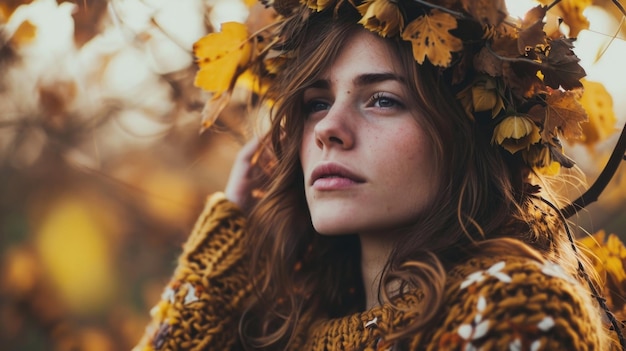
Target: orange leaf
(220,55)
(563,113)
(430,37)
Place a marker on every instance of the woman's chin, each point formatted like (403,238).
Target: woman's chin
(335,226)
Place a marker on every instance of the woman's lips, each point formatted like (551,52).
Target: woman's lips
(332,176)
(333,183)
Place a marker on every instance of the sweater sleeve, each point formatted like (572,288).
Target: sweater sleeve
(199,308)
(519,305)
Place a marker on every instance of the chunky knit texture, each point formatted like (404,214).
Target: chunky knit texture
(491,303)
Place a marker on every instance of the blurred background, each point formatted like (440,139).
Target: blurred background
(103,168)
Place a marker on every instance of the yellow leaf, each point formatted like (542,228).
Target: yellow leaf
(252,82)
(595,250)
(220,56)
(382,16)
(592,241)
(430,37)
(516,133)
(598,104)
(615,246)
(485,96)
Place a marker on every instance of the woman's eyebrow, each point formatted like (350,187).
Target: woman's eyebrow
(372,78)
(320,84)
(361,80)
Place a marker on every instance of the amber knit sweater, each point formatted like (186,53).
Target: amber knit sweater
(491,303)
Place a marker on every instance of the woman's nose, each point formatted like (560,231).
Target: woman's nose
(335,128)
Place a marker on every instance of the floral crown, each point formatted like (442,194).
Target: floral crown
(525,80)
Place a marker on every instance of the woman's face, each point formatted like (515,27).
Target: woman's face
(367,163)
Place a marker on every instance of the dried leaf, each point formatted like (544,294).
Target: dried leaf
(212,109)
(430,37)
(462,67)
(537,156)
(561,66)
(382,16)
(486,62)
(542,159)
(220,56)
(486,96)
(561,115)
(608,255)
(489,61)
(557,155)
(486,11)
(521,77)
(531,33)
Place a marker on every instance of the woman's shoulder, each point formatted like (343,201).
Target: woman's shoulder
(516,303)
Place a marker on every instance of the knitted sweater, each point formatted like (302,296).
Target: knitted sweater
(491,303)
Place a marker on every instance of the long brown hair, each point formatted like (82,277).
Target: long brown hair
(481,202)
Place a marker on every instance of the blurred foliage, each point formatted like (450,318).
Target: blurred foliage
(103,169)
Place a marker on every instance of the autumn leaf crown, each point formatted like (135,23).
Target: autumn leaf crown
(525,76)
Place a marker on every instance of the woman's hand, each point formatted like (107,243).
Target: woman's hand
(245,177)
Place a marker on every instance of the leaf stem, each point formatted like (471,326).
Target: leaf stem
(591,195)
(441,8)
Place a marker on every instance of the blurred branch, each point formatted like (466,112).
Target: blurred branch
(592,194)
(619,6)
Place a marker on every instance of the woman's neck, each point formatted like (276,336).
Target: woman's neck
(375,250)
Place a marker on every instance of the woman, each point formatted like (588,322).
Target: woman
(397,217)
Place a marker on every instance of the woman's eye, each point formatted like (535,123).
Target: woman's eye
(316,106)
(383,101)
